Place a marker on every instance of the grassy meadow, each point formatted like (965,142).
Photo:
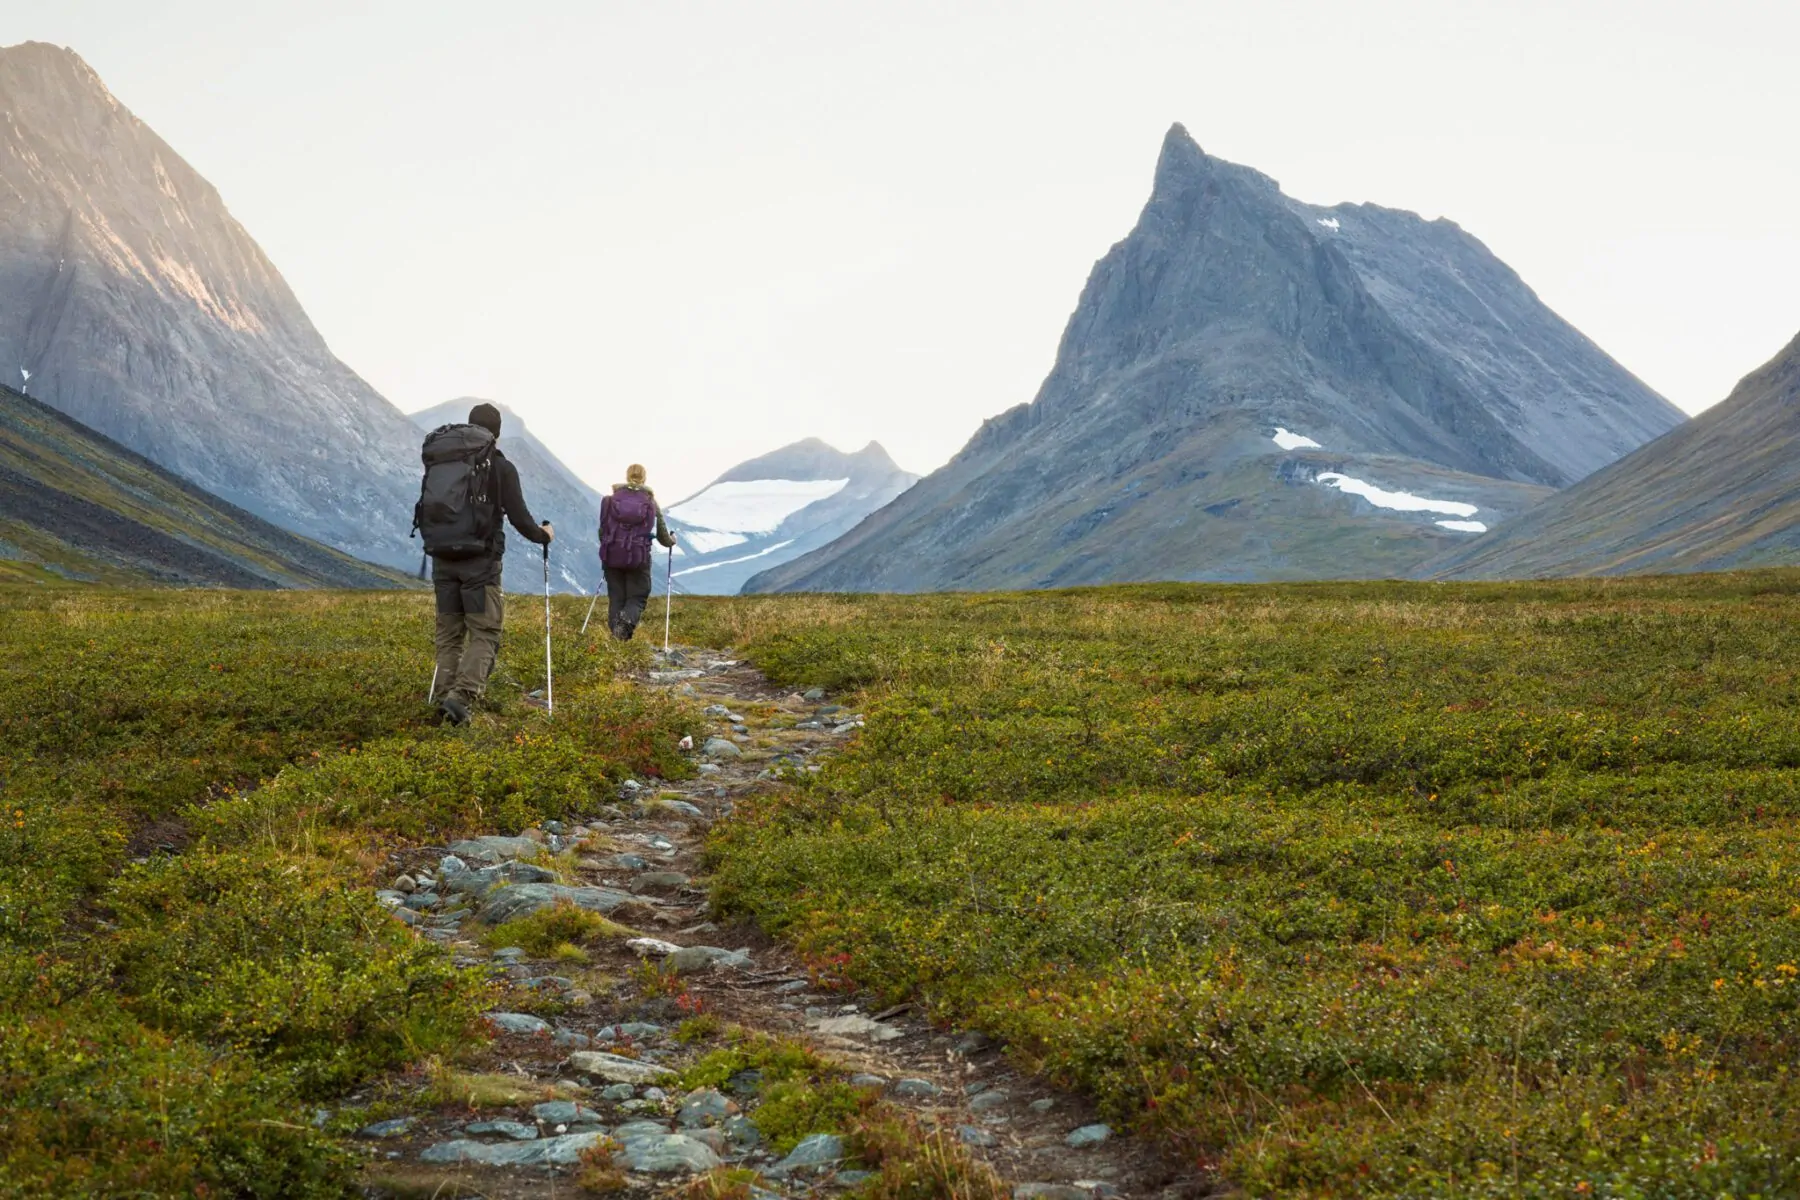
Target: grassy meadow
(1340,890)
(199,791)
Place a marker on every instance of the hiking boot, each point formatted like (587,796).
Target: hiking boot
(454,710)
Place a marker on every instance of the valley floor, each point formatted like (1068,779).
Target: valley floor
(1320,890)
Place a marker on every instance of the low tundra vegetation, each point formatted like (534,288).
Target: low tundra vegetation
(198,792)
(1340,890)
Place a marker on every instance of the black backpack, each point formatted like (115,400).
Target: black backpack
(457,513)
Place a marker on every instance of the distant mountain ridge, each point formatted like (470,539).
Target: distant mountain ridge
(774,507)
(555,494)
(137,305)
(1390,355)
(76,505)
(1719,493)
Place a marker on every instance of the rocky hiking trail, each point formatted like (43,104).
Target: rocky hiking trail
(599,1067)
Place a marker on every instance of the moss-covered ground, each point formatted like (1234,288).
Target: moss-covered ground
(1361,889)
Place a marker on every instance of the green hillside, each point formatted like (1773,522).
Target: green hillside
(75,505)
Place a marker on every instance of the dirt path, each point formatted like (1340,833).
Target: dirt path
(636,862)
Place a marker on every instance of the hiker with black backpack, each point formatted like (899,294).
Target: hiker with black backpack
(629,519)
(468,487)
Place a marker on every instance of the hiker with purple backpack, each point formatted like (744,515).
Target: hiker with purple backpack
(629,519)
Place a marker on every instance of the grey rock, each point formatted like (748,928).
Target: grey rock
(615,1069)
(638,1129)
(813,694)
(508,954)
(1049,1191)
(398,1127)
(522,1023)
(561,1151)
(714,1139)
(707,1106)
(988,1101)
(518,1131)
(867,1080)
(524,899)
(742,1132)
(639,1031)
(494,848)
(971,1136)
(480,882)
(571,1039)
(720,748)
(708,768)
(405,883)
(655,1095)
(450,864)
(691,811)
(716,710)
(690,959)
(855,1025)
(670,1154)
(564,1112)
(1088,1135)
(819,1151)
(618,1091)
(1042,1106)
(629,862)
(917,1089)
(1230,311)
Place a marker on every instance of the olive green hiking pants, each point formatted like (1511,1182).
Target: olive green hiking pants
(470,606)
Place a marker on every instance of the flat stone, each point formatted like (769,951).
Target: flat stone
(855,1025)
(706,1106)
(972,1136)
(718,747)
(522,900)
(494,848)
(989,1100)
(629,862)
(479,883)
(813,694)
(509,954)
(451,865)
(1048,1191)
(522,1023)
(868,1081)
(638,1031)
(638,1129)
(1042,1106)
(518,1131)
(564,1112)
(405,883)
(742,1131)
(686,809)
(653,881)
(689,959)
(571,1039)
(1088,1135)
(651,946)
(616,1092)
(917,1089)
(564,1150)
(398,1127)
(615,1069)
(815,1152)
(670,1154)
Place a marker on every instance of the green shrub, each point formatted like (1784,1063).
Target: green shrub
(543,931)
(285,959)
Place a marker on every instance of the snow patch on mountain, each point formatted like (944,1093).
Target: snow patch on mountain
(1398,501)
(753,505)
(1293,441)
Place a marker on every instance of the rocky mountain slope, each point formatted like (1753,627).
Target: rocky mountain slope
(771,509)
(1255,388)
(1720,492)
(555,494)
(136,304)
(75,505)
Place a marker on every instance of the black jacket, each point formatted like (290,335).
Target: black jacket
(512,504)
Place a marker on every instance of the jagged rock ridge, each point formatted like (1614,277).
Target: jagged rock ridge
(1410,358)
(1720,492)
(138,306)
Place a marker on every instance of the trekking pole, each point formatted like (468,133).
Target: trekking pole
(432,694)
(590,616)
(549,677)
(669,602)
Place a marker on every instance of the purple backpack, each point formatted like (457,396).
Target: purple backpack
(628,522)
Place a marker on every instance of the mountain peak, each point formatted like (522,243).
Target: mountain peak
(1180,160)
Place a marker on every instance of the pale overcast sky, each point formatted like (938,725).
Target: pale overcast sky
(686,233)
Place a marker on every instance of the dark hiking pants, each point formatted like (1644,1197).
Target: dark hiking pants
(627,591)
(470,605)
